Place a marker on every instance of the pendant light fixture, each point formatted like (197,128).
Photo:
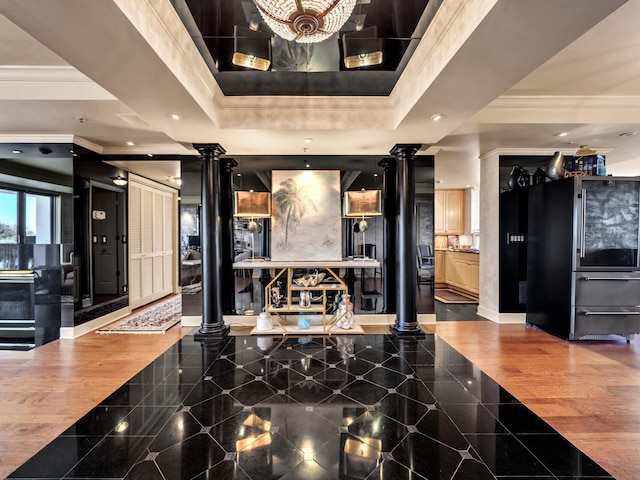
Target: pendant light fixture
(305,21)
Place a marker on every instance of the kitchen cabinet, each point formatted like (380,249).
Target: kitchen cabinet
(449,212)
(439,267)
(462,271)
(451,273)
(473,280)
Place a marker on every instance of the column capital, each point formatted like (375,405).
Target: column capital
(228,164)
(209,148)
(404,148)
(385,163)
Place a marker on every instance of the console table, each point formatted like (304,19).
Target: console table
(291,307)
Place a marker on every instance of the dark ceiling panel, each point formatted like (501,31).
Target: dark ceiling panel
(306,68)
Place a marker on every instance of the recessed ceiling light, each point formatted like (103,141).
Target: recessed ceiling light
(16,151)
(308,140)
(130,143)
(562,134)
(437,117)
(627,134)
(149,154)
(238,174)
(175,116)
(375,174)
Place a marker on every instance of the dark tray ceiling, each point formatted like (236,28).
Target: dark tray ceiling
(307,69)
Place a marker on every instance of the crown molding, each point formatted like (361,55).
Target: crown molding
(560,109)
(44,82)
(36,138)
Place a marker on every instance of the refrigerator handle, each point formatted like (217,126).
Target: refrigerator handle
(583,211)
(588,312)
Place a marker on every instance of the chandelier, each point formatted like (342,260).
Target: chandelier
(305,21)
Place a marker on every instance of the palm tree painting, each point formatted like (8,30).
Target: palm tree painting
(306,215)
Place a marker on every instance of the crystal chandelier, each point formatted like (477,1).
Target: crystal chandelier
(305,21)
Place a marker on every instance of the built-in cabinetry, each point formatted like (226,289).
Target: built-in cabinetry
(458,271)
(152,241)
(448,212)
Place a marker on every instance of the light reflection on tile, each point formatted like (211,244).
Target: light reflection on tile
(368,406)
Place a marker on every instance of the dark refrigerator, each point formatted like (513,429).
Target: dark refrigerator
(583,270)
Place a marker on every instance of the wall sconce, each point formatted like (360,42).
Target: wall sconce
(120,180)
(251,49)
(363,203)
(362,48)
(252,205)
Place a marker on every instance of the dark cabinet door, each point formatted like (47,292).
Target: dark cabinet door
(609,223)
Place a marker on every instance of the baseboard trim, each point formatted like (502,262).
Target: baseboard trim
(90,326)
(497,317)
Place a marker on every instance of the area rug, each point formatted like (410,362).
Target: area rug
(157,318)
(448,296)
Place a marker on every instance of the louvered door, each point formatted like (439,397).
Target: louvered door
(152,241)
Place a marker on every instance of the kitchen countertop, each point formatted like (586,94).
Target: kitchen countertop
(461,250)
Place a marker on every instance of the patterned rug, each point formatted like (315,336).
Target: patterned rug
(157,318)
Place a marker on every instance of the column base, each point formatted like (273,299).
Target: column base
(417,333)
(212,334)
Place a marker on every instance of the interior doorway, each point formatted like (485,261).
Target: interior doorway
(108,249)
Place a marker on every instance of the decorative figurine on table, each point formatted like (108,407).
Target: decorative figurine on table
(346,318)
(276,297)
(304,324)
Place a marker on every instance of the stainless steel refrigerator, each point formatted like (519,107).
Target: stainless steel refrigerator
(583,269)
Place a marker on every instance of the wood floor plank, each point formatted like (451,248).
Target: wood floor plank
(47,389)
(588,391)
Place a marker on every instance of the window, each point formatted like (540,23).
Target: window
(38,218)
(8,216)
(26,219)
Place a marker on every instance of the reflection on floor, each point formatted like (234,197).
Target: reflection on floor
(368,406)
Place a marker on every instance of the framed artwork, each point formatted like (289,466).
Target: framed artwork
(306,221)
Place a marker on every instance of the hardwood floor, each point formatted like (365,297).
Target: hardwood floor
(586,391)
(47,389)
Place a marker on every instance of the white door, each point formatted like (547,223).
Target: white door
(153,237)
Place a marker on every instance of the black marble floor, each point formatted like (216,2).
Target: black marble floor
(362,407)
(457,312)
